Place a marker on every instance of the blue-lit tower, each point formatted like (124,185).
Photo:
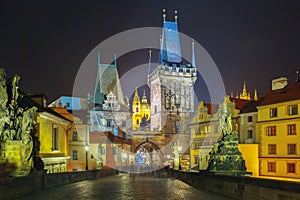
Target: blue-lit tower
(171,82)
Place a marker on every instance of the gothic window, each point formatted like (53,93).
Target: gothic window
(137,121)
(137,109)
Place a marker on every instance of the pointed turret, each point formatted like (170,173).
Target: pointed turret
(255,95)
(144,98)
(245,95)
(193,54)
(170,46)
(107,80)
(136,96)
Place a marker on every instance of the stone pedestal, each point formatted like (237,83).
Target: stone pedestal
(225,157)
(16,160)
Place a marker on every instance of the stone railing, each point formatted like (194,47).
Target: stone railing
(240,187)
(12,188)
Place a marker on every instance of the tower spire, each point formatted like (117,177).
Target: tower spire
(255,95)
(176,16)
(193,54)
(149,65)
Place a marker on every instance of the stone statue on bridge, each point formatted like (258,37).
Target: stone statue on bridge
(225,157)
(17,137)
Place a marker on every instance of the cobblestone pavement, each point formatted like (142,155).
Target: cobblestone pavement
(125,187)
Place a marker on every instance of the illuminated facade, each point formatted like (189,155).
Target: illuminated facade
(140,111)
(205,131)
(52,130)
(278,126)
(171,83)
(111,111)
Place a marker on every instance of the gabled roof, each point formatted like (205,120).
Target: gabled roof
(27,102)
(250,107)
(290,93)
(240,103)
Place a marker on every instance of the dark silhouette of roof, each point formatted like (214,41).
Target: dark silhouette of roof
(289,93)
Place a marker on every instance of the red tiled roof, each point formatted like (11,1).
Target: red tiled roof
(96,137)
(289,93)
(240,103)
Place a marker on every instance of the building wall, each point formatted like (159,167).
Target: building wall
(276,163)
(250,155)
(245,125)
(55,160)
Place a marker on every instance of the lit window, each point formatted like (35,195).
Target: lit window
(272,148)
(271,166)
(249,119)
(54,137)
(196,158)
(292,110)
(74,136)
(271,130)
(292,129)
(250,134)
(74,155)
(273,112)
(291,167)
(291,148)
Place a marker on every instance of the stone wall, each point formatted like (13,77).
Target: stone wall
(241,187)
(12,188)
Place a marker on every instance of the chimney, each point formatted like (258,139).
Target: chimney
(279,83)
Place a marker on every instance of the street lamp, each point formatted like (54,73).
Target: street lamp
(179,150)
(87,148)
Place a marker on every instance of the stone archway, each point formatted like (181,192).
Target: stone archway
(148,154)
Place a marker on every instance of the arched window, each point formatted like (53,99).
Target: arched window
(137,121)
(137,109)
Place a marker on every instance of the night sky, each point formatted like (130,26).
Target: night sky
(45,42)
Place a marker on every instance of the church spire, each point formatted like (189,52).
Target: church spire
(149,64)
(136,95)
(193,54)
(144,98)
(245,95)
(255,95)
(176,16)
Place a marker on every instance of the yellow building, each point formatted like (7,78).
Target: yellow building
(52,130)
(279,127)
(140,110)
(205,130)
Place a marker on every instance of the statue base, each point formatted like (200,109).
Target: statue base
(14,158)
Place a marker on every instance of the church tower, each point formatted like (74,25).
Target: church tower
(140,111)
(171,83)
